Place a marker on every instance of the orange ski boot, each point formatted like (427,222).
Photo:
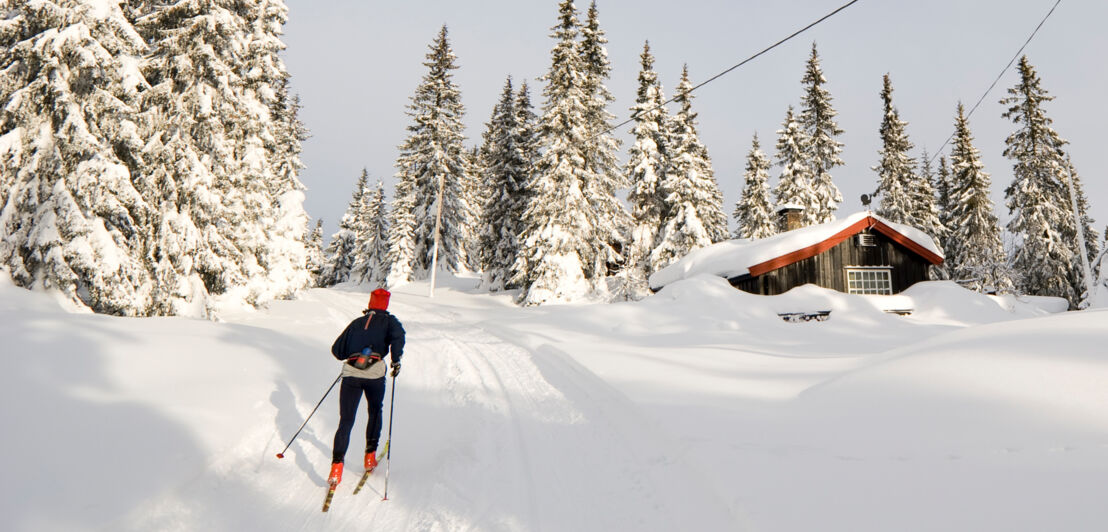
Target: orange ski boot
(336,474)
(371,460)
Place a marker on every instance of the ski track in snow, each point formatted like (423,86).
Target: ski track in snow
(487,436)
(540,431)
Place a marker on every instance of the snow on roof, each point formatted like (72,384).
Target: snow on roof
(734,258)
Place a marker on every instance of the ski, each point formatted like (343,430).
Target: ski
(330,495)
(380,456)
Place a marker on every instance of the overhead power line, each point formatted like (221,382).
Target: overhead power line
(997,80)
(743,62)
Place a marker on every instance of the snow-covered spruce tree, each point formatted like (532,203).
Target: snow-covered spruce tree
(315,259)
(528,141)
(646,169)
(432,157)
(188,257)
(478,253)
(284,253)
(817,119)
(506,174)
(528,145)
(924,214)
(754,212)
(693,217)
(610,220)
(70,217)
(975,253)
(557,240)
(1046,254)
(340,255)
(402,225)
(895,169)
(371,244)
(474,193)
(223,152)
(927,203)
(943,201)
(709,203)
(795,187)
(906,197)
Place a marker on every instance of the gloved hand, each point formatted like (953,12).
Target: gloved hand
(395,369)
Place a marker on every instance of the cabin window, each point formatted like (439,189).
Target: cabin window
(869,281)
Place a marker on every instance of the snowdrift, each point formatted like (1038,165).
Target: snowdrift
(698,408)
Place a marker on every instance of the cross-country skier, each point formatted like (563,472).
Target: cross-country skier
(362,348)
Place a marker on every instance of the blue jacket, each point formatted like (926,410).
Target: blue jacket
(383,333)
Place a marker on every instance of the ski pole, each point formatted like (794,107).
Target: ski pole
(388,440)
(282,453)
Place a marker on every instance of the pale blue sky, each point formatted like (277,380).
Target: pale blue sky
(356,63)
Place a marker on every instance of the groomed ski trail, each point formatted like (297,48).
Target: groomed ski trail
(490,436)
(487,436)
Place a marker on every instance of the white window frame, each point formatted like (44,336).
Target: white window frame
(869,280)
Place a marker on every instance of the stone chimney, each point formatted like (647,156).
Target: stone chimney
(789,217)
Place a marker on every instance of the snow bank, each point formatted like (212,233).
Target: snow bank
(932,302)
(699,409)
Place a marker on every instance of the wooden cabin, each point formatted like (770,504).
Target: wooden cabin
(860,254)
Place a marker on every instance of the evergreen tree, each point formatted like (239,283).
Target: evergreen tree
(187,143)
(693,217)
(474,191)
(795,185)
(557,240)
(944,204)
(896,169)
(602,178)
(646,169)
(432,158)
(70,216)
(906,197)
(528,143)
(479,252)
(206,139)
(753,212)
(1046,254)
(223,153)
(975,253)
(283,254)
(315,258)
(341,253)
(372,240)
(929,206)
(817,121)
(402,225)
(506,174)
(943,201)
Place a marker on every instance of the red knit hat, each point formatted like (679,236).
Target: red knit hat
(379,299)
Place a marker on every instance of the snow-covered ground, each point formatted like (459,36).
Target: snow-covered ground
(696,409)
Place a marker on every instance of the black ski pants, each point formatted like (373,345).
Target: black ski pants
(350,394)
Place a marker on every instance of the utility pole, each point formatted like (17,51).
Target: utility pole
(1090,283)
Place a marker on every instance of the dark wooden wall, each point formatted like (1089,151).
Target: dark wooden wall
(828,269)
